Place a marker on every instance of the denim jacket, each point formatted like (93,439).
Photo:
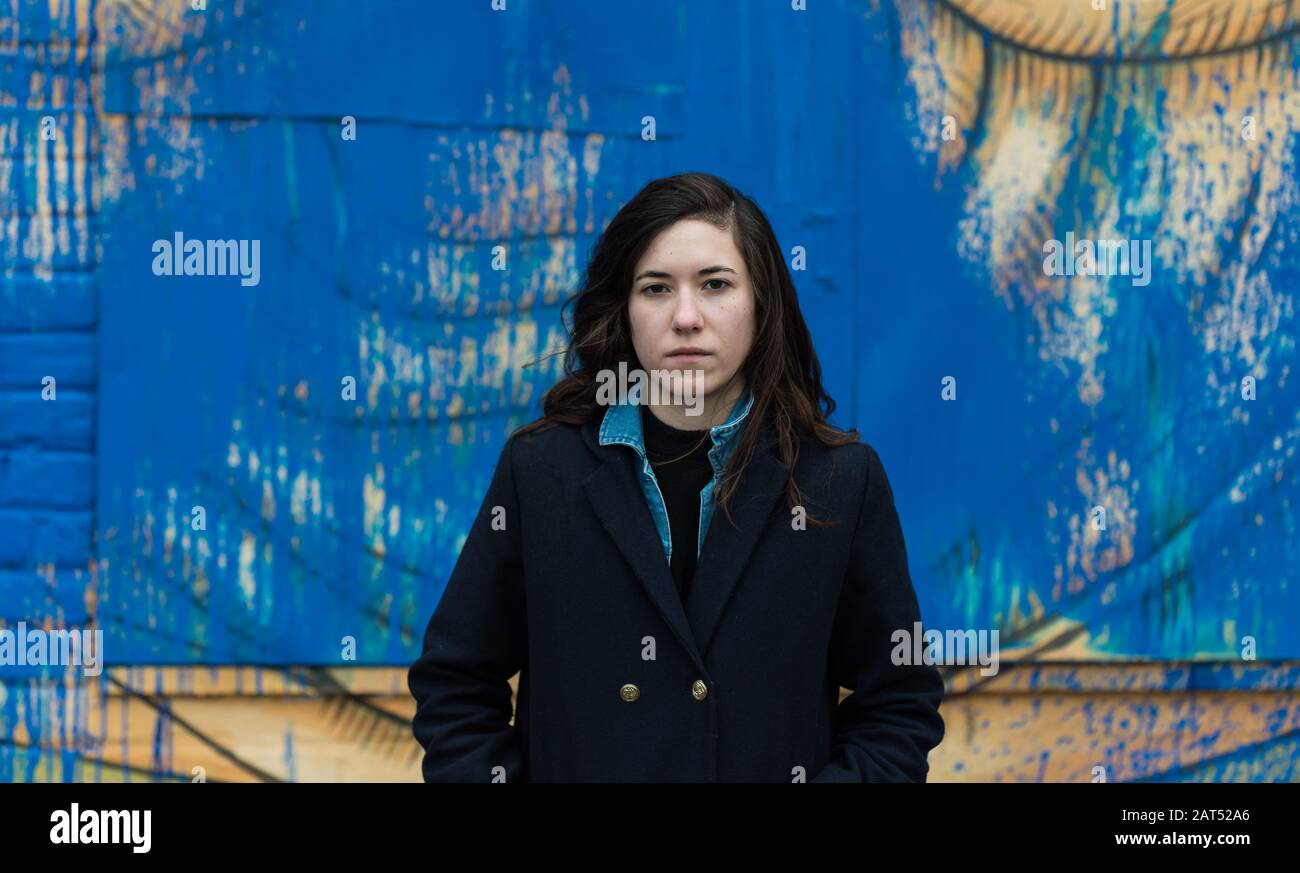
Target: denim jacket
(622,425)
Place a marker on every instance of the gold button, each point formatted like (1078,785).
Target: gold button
(699,690)
(629,692)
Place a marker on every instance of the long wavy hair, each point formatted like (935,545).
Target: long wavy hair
(781,369)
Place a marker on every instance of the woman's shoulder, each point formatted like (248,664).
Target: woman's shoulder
(850,451)
(544,443)
(853,466)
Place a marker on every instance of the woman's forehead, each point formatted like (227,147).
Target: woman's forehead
(689,248)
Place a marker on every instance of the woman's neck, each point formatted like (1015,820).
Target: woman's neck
(716,409)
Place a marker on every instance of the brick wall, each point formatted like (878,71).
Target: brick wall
(48,309)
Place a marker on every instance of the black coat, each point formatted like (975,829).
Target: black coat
(742,685)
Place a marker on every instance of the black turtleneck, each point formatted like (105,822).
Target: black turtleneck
(680,460)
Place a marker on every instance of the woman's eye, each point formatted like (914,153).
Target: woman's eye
(650,289)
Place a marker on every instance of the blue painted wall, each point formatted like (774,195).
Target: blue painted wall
(329,517)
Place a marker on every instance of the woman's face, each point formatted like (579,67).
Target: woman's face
(692,307)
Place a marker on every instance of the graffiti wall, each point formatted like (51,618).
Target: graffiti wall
(279,279)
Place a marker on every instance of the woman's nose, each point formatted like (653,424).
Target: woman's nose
(687,315)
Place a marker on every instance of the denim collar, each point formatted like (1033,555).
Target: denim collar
(622,425)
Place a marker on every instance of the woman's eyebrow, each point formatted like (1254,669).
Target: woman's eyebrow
(704,271)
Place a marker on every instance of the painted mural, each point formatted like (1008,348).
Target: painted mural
(1049,273)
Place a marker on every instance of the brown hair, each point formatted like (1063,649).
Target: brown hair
(781,369)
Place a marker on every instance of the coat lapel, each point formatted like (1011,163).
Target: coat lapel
(727,547)
(616,497)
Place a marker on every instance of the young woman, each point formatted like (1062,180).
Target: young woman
(670,616)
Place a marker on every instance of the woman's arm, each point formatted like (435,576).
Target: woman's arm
(885,729)
(475,641)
